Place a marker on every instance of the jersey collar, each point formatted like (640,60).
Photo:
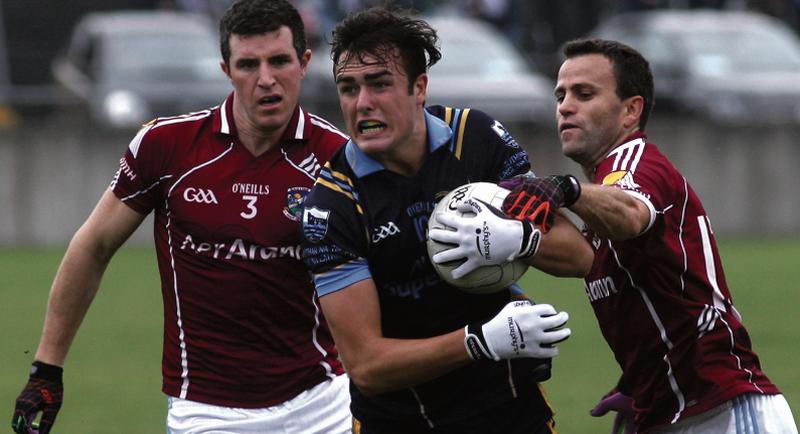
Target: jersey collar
(439,133)
(636,135)
(299,128)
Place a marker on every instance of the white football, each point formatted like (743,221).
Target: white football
(486,279)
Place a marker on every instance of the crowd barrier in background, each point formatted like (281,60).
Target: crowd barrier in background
(52,173)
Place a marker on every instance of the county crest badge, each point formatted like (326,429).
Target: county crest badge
(295,197)
(315,224)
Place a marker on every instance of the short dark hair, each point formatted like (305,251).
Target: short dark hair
(256,17)
(631,69)
(378,31)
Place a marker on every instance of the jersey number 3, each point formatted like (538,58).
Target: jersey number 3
(251,206)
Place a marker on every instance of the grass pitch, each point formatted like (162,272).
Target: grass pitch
(113,372)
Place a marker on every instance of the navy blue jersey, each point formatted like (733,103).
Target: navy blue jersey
(362,221)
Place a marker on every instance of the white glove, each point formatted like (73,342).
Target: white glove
(521,329)
(486,238)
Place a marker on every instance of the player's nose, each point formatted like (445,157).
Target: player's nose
(266,77)
(566,106)
(364,101)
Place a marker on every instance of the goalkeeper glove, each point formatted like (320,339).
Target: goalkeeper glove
(521,329)
(536,199)
(623,405)
(487,238)
(44,392)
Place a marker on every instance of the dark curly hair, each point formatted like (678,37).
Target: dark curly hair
(631,69)
(378,31)
(256,17)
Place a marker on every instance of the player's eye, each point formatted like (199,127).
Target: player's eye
(247,64)
(346,89)
(280,60)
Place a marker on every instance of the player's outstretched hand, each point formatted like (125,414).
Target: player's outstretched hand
(483,236)
(536,199)
(43,393)
(623,405)
(521,329)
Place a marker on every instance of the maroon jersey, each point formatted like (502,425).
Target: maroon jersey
(661,299)
(242,324)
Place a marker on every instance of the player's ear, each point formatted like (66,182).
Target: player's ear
(632,111)
(420,88)
(224,67)
(304,61)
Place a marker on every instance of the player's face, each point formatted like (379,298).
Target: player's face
(266,75)
(380,113)
(591,117)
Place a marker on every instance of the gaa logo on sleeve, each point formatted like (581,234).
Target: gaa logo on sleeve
(315,223)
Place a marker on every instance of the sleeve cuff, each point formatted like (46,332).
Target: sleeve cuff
(342,276)
(649,205)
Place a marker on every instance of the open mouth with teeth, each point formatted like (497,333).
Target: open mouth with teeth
(366,127)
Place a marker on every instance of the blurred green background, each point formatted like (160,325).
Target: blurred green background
(113,373)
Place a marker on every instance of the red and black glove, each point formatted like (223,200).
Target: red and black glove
(536,199)
(44,392)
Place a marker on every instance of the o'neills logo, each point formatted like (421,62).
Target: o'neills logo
(257,189)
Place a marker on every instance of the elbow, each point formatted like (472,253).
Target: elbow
(581,263)
(366,390)
(575,265)
(366,380)
(633,221)
(631,228)
(87,242)
(581,260)
(621,235)
(566,260)
(367,372)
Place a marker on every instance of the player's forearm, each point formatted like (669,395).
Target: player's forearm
(393,364)
(563,251)
(375,363)
(610,212)
(73,289)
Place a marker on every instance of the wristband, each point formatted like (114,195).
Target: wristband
(475,343)
(571,188)
(530,240)
(47,371)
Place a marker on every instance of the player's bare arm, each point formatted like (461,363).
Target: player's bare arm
(563,251)
(377,364)
(611,212)
(78,277)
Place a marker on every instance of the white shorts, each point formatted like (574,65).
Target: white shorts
(746,414)
(323,409)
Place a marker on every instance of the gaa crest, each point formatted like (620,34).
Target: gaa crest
(295,197)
